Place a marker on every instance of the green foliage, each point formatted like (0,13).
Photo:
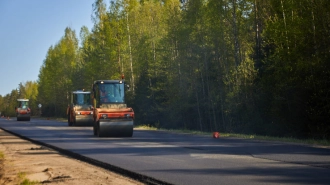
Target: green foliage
(24,180)
(295,70)
(57,75)
(245,66)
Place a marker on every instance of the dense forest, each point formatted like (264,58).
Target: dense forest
(243,66)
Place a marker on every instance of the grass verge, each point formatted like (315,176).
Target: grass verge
(24,180)
(247,136)
(2,156)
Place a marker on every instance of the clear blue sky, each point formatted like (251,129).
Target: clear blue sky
(28,28)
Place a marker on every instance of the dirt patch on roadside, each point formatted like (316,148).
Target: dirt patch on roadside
(23,159)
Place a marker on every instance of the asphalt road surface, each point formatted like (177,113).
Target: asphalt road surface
(185,158)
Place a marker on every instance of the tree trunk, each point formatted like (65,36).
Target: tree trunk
(130,54)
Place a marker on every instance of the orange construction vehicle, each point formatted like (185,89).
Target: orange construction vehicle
(80,110)
(112,117)
(23,112)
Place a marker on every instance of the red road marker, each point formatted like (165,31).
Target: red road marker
(216,134)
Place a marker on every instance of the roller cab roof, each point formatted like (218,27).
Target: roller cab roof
(108,81)
(22,99)
(81,92)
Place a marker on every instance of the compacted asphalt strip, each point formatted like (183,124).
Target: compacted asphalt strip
(185,158)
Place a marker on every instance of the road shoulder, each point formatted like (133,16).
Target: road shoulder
(44,165)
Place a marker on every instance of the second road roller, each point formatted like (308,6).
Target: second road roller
(112,117)
(80,110)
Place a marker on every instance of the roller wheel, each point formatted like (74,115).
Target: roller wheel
(94,129)
(98,130)
(69,120)
(130,134)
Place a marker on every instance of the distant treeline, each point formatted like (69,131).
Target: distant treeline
(243,66)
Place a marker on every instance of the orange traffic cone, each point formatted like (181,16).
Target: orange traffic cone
(216,134)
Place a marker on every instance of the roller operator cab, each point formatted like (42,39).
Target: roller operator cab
(112,117)
(80,109)
(23,111)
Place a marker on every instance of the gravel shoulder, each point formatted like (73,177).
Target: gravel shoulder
(25,160)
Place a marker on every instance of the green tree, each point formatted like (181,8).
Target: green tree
(245,66)
(57,75)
